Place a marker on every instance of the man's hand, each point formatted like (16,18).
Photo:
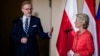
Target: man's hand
(51,30)
(24,40)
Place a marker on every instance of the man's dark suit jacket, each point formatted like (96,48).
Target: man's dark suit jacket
(17,32)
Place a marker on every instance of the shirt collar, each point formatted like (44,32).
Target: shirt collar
(25,17)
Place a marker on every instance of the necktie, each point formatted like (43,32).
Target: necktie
(26,25)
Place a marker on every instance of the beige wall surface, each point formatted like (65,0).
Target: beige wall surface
(57,11)
(43,11)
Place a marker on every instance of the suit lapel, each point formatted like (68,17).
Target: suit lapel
(30,24)
(21,24)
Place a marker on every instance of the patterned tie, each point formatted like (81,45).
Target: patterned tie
(26,25)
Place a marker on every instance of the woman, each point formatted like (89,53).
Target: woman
(83,42)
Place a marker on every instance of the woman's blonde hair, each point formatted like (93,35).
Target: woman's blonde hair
(84,18)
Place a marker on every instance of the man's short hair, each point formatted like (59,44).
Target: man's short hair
(25,2)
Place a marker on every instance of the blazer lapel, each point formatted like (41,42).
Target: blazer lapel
(21,23)
(30,25)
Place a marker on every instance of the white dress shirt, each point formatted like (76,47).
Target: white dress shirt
(24,20)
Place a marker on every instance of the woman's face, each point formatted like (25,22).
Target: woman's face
(78,24)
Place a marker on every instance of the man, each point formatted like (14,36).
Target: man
(24,31)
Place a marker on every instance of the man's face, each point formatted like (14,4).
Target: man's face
(27,9)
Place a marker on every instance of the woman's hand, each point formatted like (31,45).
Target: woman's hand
(76,54)
(70,53)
